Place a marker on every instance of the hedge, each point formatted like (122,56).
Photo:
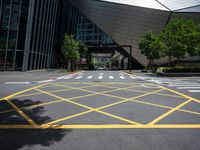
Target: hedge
(178,70)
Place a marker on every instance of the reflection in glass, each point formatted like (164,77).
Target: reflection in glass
(90,34)
(2,60)
(9,60)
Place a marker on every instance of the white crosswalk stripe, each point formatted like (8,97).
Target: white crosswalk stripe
(17,82)
(100,77)
(89,77)
(79,77)
(111,77)
(132,77)
(45,81)
(188,87)
(175,83)
(184,85)
(194,91)
(122,77)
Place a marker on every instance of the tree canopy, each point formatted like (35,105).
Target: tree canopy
(73,50)
(70,48)
(151,46)
(178,39)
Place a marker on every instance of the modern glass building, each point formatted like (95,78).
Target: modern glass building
(31,31)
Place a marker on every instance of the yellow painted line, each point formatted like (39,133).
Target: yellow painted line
(61,98)
(128,99)
(32,106)
(38,93)
(69,117)
(137,101)
(117,117)
(42,104)
(98,109)
(181,94)
(163,106)
(103,126)
(118,126)
(51,91)
(163,94)
(188,111)
(84,106)
(20,92)
(99,93)
(21,113)
(169,112)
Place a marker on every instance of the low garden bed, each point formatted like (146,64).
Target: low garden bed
(178,71)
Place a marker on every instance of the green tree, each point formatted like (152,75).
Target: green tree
(83,50)
(70,50)
(151,46)
(90,61)
(191,38)
(172,37)
(180,37)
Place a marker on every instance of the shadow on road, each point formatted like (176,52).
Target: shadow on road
(12,139)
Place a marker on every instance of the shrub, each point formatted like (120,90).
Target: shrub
(178,70)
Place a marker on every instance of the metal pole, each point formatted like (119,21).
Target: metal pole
(130,63)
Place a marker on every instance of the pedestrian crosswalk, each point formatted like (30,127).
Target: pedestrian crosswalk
(193,87)
(170,82)
(100,76)
(179,84)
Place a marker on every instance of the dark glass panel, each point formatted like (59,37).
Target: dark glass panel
(12,40)
(19,60)
(2,60)
(9,60)
(23,24)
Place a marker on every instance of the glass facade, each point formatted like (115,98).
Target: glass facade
(13,16)
(90,34)
(31,31)
(27,32)
(39,45)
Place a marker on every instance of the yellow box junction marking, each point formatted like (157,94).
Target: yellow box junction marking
(90,108)
(132,124)
(26,117)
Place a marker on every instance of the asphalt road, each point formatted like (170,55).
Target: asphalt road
(99,110)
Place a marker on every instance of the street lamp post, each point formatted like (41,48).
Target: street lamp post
(130,56)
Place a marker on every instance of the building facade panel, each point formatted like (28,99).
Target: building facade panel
(31,31)
(124,24)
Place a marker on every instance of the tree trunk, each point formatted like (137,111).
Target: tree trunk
(150,64)
(72,66)
(69,65)
(80,64)
(169,61)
